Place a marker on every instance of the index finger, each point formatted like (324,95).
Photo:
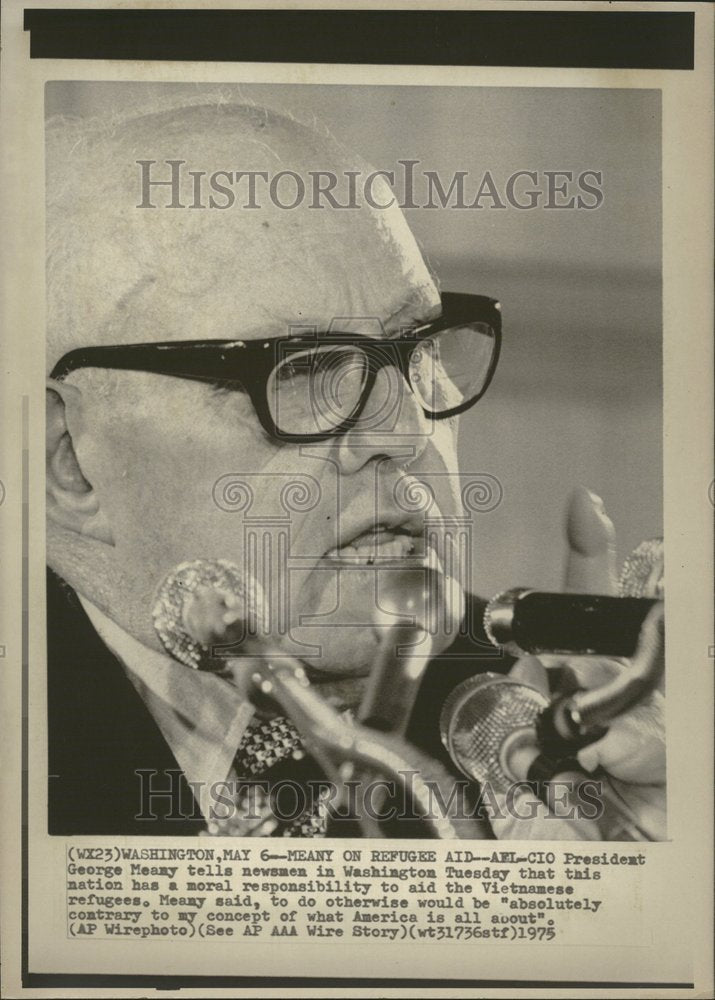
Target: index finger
(591,538)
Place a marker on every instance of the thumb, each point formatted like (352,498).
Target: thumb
(589,757)
(591,559)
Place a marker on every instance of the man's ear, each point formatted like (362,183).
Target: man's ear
(72,503)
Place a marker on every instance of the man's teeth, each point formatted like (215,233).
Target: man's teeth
(368,552)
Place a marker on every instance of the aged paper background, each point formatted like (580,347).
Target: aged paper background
(672,929)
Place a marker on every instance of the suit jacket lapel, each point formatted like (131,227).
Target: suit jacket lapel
(106,753)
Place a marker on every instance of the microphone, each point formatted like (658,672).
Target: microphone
(504,733)
(531,621)
(421,610)
(501,731)
(522,620)
(490,724)
(205,608)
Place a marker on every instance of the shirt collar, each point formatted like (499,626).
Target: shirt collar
(201,717)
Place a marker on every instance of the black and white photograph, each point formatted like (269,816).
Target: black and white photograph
(329,368)
(357,390)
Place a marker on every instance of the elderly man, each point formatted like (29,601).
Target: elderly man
(197,333)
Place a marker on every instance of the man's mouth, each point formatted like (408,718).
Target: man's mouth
(379,544)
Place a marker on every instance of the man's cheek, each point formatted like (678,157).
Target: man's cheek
(172,520)
(444,442)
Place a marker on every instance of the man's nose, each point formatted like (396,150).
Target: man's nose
(392,425)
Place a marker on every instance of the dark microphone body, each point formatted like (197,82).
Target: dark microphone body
(524,620)
(531,621)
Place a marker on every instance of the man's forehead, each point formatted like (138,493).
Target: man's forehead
(375,294)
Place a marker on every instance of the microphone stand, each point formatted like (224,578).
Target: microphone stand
(374,747)
(421,595)
(202,604)
(333,743)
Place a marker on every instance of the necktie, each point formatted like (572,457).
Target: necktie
(272,754)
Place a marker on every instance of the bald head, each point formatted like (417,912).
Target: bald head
(233,260)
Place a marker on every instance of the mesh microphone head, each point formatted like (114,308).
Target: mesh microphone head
(643,573)
(179,592)
(483,720)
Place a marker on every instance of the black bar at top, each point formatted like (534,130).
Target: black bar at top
(588,39)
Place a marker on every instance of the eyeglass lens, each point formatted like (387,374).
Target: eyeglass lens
(315,390)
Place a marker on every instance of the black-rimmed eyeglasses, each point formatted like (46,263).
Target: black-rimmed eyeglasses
(312,387)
